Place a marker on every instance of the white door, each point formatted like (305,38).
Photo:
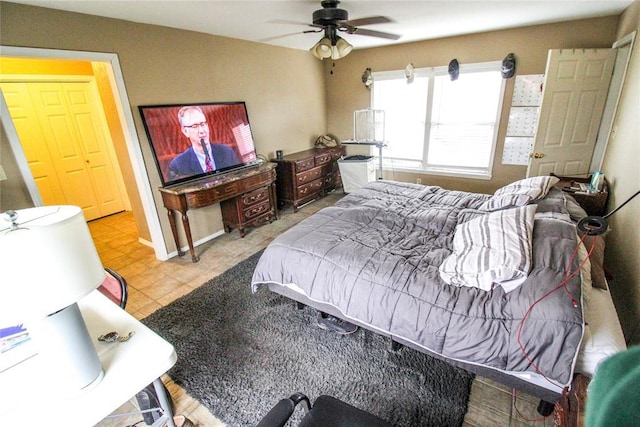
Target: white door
(575,90)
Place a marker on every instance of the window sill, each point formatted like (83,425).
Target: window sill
(458,173)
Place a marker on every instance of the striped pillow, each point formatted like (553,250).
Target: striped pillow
(535,187)
(493,248)
(504,201)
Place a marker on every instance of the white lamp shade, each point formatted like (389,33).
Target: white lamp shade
(322,49)
(341,49)
(48,263)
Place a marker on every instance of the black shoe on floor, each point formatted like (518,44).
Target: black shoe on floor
(332,323)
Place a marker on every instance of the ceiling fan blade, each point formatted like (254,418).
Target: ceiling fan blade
(367,21)
(372,33)
(286,21)
(297,33)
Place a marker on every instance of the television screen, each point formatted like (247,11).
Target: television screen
(191,141)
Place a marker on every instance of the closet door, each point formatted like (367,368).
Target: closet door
(67,144)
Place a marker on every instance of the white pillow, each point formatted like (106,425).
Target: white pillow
(493,248)
(535,187)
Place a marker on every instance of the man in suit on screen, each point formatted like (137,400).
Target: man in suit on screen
(202,156)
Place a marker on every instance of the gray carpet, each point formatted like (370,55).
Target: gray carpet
(239,353)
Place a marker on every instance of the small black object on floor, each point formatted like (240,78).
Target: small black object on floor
(333,323)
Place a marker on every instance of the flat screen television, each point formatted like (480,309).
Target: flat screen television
(191,141)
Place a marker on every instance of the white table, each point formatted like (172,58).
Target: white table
(27,398)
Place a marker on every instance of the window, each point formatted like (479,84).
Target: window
(437,125)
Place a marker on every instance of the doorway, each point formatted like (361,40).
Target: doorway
(122,110)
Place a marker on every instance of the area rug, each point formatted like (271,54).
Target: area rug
(240,353)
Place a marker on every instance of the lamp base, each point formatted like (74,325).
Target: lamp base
(67,350)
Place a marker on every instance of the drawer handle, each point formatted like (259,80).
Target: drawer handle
(304,190)
(253,198)
(257,210)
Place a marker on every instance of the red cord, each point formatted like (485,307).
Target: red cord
(521,415)
(562,284)
(567,276)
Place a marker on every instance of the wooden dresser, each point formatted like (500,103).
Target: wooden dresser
(307,175)
(247,197)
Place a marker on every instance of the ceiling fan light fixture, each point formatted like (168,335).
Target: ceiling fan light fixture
(322,49)
(340,49)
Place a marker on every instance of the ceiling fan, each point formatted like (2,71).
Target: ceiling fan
(332,19)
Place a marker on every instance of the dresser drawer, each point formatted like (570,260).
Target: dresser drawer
(308,176)
(336,154)
(256,210)
(254,197)
(313,187)
(329,180)
(213,195)
(323,159)
(303,165)
(227,190)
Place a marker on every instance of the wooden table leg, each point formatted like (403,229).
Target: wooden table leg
(274,198)
(174,230)
(187,231)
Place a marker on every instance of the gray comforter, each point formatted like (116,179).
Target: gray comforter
(375,254)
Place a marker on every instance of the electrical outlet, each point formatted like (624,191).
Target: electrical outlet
(3,176)
(418,180)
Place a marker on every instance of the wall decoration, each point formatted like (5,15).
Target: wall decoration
(367,78)
(523,119)
(527,91)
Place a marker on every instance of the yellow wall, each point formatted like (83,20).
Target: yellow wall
(44,66)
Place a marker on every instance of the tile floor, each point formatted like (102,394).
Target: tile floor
(153,284)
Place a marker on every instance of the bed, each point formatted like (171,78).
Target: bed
(499,284)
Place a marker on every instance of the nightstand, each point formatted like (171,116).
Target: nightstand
(592,203)
(569,411)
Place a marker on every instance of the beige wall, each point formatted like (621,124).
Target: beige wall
(622,168)
(284,88)
(346,93)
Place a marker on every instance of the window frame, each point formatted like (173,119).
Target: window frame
(422,166)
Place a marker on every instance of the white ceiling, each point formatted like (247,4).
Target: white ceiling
(414,20)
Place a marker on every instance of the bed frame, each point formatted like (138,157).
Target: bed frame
(547,397)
